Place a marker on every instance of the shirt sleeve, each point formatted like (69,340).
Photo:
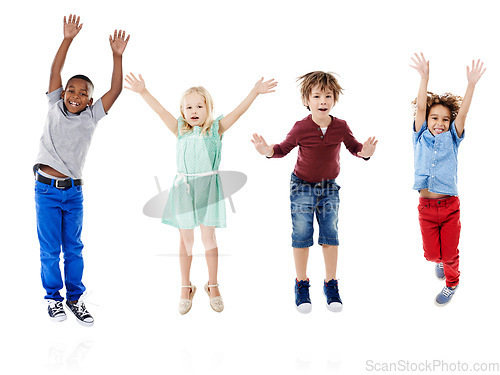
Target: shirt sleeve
(291,141)
(351,143)
(417,135)
(98,111)
(54,96)
(454,134)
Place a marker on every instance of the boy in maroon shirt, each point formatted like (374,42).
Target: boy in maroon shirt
(312,186)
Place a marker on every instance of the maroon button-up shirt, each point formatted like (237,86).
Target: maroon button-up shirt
(319,155)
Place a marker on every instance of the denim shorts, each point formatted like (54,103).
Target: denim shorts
(308,198)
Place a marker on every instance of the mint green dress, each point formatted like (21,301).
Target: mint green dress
(195,200)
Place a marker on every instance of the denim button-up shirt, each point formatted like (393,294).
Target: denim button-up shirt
(436,160)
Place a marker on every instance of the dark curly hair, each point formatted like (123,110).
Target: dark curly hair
(452,102)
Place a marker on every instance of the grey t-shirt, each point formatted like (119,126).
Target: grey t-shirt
(66,136)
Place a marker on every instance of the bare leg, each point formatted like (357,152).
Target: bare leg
(185,258)
(330,254)
(211,256)
(300,255)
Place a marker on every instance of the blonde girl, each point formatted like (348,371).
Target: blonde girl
(196,198)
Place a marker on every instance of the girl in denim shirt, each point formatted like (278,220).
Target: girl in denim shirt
(438,131)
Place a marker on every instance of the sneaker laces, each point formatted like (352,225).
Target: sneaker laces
(303,288)
(447,291)
(55,306)
(332,289)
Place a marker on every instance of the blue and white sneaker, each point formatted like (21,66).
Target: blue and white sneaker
(333,301)
(82,315)
(445,296)
(56,310)
(302,300)
(440,271)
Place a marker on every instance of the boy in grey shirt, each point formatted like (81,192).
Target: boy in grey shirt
(71,120)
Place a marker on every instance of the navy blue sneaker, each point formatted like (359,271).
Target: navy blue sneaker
(333,301)
(439,271)
(56,310)
(82,315)
(302,299)
(445,296)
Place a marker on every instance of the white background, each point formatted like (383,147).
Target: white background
(131,264)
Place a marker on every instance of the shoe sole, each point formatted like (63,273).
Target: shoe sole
(335,307)
(304,308)
(441,304)
(58,318)
(85,324)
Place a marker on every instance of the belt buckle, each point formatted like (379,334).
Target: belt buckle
(56,184)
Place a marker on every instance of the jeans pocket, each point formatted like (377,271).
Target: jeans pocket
(41,188)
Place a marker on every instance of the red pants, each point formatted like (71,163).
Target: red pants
(440,226)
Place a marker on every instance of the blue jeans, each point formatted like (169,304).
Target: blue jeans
(59,214)
(307,199)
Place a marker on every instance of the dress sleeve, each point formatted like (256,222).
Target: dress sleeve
(214,129)
(180,124)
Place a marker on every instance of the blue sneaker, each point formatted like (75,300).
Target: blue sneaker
(302,299)
(445,296)
(440,271)
(333,301)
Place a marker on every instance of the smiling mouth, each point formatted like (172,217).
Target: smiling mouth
(73,104)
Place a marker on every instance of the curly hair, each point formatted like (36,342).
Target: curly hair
(325,80)
(452,102)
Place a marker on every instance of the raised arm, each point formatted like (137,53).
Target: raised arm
(70,30)
(118,44)
(261,87)
(473,76)
(139,86)
(422,68)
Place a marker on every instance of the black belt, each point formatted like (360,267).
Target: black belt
(60,184)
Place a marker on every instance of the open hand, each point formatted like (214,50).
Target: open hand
(261,146)
(136,85)
(476,72)
(265,87)
(421,65)
(118,42)
(368,148)
(72,27)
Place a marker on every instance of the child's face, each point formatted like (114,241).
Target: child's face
(195,109)
(77,95)
(320,102)
(439,119)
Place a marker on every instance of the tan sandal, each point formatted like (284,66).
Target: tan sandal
(186,303)
(216,303)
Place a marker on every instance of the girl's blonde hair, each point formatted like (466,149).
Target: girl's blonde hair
(209,105)
(450,101)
